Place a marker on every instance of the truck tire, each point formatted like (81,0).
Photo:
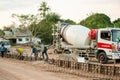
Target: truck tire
(102,58)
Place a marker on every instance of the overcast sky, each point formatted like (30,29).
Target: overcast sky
(72,9)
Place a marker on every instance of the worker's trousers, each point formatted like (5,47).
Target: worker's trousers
(44,52)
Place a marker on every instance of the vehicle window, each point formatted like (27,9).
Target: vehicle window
(115,35)
(106,35)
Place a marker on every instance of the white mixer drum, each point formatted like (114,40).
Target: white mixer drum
(76,35)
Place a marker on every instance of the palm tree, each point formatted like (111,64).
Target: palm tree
(43,9)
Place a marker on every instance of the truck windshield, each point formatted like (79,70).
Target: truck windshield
(115,35)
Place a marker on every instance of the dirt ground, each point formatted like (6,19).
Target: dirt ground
(12,69)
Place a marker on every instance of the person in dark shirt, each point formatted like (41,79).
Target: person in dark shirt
(35,52)
(44,51)
(2,50)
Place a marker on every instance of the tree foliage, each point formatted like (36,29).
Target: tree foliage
(52,17)
(45,32)
(97,20)
(117,23)
(43,29)
(69,21)
(40,26)
(1,32)
(25,20)
(43,9)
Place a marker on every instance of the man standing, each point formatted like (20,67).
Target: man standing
(35,51)
(2,50)
(44,51)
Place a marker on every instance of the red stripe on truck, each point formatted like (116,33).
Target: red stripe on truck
(104,45)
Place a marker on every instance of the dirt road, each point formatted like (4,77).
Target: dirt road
(11,69)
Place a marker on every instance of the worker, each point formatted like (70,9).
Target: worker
(35,52)
(2,50)
(44,51)
(20,51)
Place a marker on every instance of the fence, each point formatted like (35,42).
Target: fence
(95,71)
(89,70)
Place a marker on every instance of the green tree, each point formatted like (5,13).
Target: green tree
(48,21)
(25,20)
(70,21)
(43,9)
(40,27)
(45,27)
(52,17)
(97,20)
(1,33)
(117,23)
(45,32)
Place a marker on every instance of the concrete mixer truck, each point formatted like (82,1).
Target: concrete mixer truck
(103,44)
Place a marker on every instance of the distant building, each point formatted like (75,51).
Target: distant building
(20,36)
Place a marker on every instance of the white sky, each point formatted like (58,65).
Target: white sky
(73,9)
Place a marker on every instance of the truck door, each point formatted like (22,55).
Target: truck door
(104,45)
(104,40)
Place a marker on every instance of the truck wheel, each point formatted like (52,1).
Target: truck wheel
(102,58)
